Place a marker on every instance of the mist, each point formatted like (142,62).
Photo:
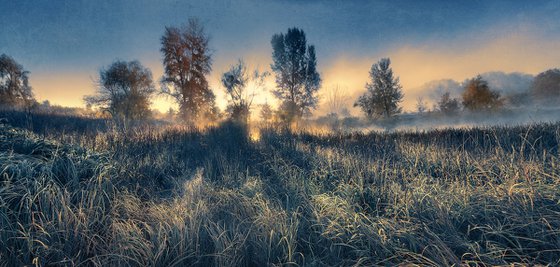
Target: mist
(279,133)
(515,90)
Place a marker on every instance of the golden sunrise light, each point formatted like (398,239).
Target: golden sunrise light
(279,133)
(414,65)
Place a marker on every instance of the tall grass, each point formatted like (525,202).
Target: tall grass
(165,196)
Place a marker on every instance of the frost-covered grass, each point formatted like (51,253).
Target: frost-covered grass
(176,196)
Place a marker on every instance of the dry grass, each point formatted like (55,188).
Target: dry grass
(176,196)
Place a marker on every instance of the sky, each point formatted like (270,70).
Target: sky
(64,44)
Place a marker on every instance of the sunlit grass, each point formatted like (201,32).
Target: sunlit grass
(228,196)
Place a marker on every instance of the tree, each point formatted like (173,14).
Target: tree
(448,105)
(124,90)
(236,82)
(477,95)
(187,61)
(15,90)
(545,88)
(297,79)
(266,112)
(383,94)
(421,105)
(210,112)
(336,99)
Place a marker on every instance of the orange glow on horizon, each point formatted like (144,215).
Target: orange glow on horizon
(414,65)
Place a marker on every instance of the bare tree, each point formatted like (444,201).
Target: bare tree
(124,90)
(383,94)
(421,105)
(187,61)
(337,100)
(15,90)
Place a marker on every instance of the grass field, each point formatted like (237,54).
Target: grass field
(73,192)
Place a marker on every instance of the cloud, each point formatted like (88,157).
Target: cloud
(508,83)
(431,91)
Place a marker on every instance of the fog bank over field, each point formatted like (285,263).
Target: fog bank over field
(512,117)
(280,132)
(506,83)
(525,116)
(507,56)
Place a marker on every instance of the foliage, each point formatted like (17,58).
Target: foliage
(187,61)
(297,79)
(545,88)
(288,113)
(15,90)
(477,96)
(124,90)
(448,105)
(236,82)
(384,93)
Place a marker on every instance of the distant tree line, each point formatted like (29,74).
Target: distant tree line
(124,89)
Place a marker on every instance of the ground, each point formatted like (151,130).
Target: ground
(74,192)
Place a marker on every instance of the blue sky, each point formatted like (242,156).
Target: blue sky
(65,43)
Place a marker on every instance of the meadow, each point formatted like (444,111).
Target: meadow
(74,192)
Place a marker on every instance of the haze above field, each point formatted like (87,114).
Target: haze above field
(65,43)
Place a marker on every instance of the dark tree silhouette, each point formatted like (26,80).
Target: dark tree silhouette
(545,88)
(124,90)
(448,105)
(297,79)
(187,61)
(383,94)
(477,95)
(236,82)
(15,90)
